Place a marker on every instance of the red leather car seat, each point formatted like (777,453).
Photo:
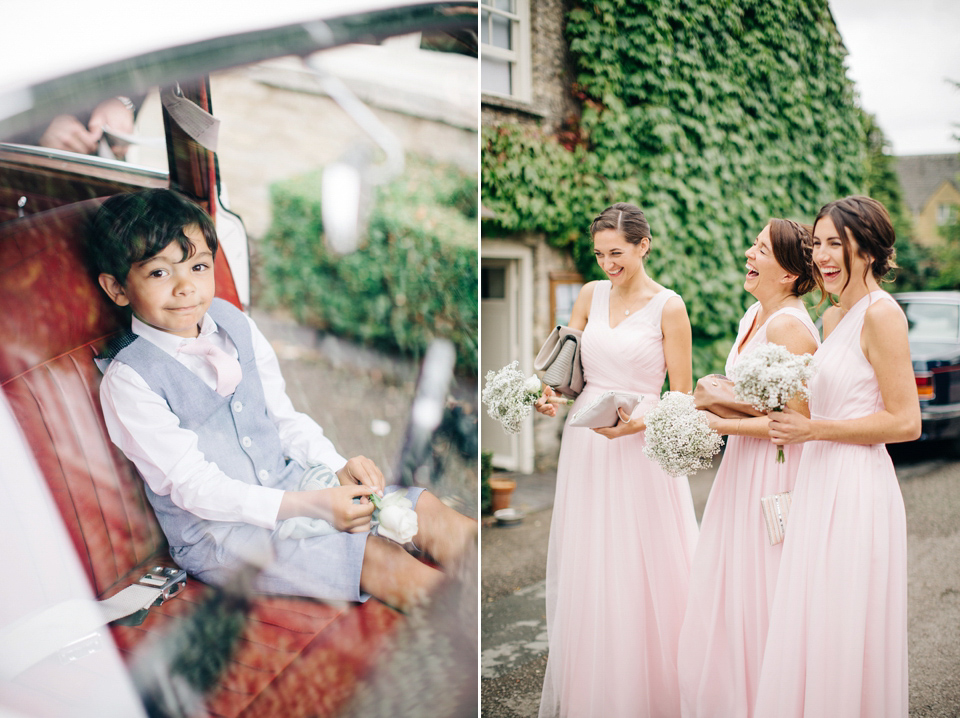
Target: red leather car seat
(296,656)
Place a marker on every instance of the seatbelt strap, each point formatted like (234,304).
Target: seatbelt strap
(199,124)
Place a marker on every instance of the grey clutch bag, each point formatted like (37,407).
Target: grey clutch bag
(602,411)
(559,359)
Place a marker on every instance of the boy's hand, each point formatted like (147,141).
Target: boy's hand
(361,470)
(335,505)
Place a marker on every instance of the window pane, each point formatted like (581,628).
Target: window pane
(495,76)
(501,32)
(484,27)
(505,5)
(932,322)
(493,282)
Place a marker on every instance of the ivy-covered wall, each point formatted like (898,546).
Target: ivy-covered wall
(713,117)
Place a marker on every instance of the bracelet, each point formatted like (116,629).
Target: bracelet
(739,421)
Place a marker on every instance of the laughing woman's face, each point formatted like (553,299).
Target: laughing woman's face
(619,259)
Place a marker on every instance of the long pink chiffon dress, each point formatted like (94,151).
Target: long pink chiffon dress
(734,568)
(621,542)
(837,642)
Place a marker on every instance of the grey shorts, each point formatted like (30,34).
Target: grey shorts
(326,567)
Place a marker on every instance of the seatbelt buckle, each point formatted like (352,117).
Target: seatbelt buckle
(170,581)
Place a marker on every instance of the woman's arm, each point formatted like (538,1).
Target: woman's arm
(677,345)
(757,427)
(885,345)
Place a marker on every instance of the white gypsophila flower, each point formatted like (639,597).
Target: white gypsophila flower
(770,376)
(678,436)
(508,396)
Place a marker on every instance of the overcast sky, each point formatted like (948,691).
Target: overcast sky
(901,54)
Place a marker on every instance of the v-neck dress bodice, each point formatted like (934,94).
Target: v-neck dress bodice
(628,356)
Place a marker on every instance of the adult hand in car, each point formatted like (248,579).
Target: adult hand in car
(66,132)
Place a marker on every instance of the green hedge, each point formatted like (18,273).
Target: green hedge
(713,117)
(486,470)
(415,280)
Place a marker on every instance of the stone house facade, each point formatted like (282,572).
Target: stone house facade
(931,190)
(527,285)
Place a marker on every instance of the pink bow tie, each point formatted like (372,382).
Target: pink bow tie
(227,368)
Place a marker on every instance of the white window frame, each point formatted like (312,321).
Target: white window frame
(945,213)
(519,57)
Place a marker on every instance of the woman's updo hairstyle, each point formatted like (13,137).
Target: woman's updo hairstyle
(869,223)
(792,244)
(628,219)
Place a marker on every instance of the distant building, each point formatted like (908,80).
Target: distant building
(931,190)
(526,285)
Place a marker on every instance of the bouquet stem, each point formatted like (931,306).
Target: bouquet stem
(780,457)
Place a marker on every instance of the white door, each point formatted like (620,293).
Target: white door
(499,346)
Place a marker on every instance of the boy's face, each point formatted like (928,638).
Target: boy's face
(166,291)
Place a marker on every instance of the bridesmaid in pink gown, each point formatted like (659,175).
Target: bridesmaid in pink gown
(837,642)
(623,531)
(735,567)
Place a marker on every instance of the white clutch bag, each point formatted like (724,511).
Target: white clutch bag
(602,411)
(776,511)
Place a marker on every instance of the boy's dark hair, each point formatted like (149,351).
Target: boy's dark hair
(130,228)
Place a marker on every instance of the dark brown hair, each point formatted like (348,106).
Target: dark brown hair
(792,244)
(869,223)
(628,219)
(133,227)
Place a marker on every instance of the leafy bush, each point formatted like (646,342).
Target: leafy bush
(415,280)
(713,117)
(486,470)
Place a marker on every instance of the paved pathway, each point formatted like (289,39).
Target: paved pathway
(513,624)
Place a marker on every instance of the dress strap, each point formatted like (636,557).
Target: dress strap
(804,318)
(600,301)
(654,308)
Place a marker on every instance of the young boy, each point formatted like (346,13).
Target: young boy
(194,397)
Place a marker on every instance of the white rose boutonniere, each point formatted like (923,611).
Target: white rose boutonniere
(396,517)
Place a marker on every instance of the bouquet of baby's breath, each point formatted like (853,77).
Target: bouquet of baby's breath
(678,436)
(770,376)
(510,396)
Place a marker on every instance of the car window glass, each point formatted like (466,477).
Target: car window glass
(933,322)
(150,149)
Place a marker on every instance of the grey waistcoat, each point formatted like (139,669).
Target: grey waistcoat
(234,432)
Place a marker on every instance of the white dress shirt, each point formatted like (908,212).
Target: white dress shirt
(142,425)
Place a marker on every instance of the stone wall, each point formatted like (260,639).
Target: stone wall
(546,431)
(552,74)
